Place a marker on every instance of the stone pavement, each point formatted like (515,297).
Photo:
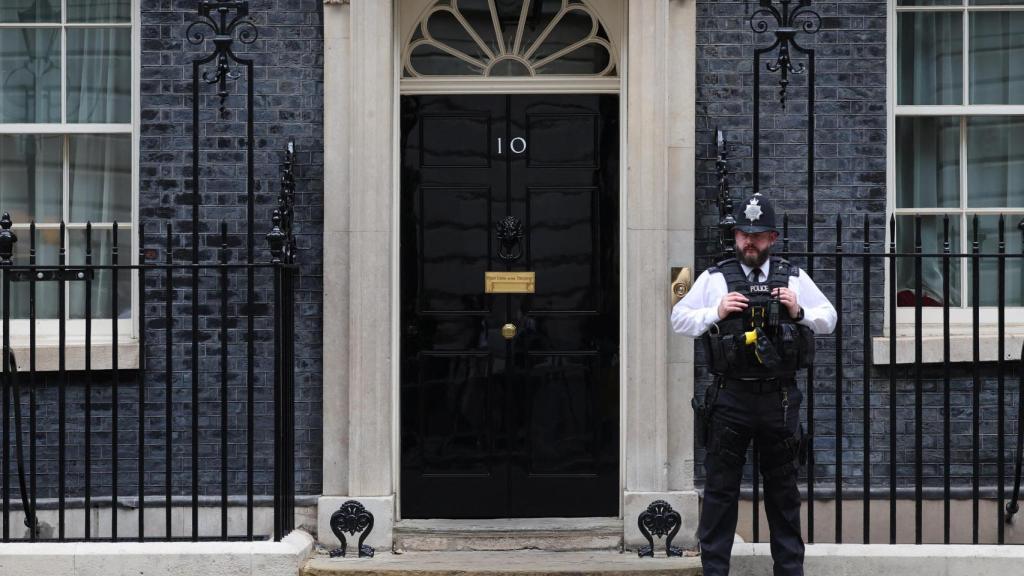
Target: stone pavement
(518,563)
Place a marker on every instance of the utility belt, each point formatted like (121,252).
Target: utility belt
(702,410)
(754,385)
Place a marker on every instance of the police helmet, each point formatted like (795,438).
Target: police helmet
(754,215)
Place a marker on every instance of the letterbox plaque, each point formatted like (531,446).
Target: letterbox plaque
(509,282)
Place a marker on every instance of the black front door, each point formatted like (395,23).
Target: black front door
(509,401)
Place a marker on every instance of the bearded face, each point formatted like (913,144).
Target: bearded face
(754,249)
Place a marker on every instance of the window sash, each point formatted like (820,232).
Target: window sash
(127,252)
(961,316)
(63,29)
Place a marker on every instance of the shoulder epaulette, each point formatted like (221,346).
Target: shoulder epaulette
(717,268)
(784,267)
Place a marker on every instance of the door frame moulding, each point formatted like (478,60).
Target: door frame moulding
(504,85)
(657,230)
(511,85)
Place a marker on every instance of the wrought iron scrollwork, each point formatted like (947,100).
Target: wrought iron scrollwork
(352,517)
(215,18)
(788,23)
(660,520)
(282,235)
(726,221)
(226,20)
(510,236)
(791,18)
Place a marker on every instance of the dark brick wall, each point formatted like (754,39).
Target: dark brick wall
(850,139)
(288,85)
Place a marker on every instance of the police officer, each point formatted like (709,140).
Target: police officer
(756,315)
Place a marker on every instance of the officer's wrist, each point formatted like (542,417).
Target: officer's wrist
(799,314)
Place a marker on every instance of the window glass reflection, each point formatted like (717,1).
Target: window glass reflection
(988,240)
(995,162)
(29,75)
(932,237)
(47,293)
(29,11)
(102,244)
(509,38)
(997,58)
(927,162)
(31,176)
(99,75)
(100,184)
(930,58)
(99,10)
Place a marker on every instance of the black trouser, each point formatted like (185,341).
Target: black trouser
(740,413)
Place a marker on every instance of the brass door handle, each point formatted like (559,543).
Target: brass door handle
(508,331)
(682,281)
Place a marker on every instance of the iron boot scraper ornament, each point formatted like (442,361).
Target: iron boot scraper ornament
(352,517)
(659,519)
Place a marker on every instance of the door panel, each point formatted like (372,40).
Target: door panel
(455,239)
(528,425)
(563,140)
(439,149)
(567,423)
(562,225)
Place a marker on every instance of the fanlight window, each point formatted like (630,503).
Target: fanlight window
(509,38)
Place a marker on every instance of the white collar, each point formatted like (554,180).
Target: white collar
(765,269)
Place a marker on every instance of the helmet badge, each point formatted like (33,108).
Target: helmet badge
(753,211)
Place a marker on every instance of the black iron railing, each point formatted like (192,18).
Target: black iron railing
(890,426)
(204,420)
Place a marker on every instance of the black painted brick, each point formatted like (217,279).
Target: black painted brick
(288,87)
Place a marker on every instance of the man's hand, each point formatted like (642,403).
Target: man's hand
(731,302)
(788,299)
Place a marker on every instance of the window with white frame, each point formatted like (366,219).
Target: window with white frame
(66,143)
(958,142)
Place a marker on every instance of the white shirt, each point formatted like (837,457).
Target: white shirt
(696,312)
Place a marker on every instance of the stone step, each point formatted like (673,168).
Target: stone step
(518,563)
(553,534)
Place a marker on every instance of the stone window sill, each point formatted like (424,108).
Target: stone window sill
(48,352)
(961,347)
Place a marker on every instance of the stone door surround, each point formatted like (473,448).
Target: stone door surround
(360,260)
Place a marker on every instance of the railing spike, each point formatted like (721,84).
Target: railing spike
(7,240)
(276,237)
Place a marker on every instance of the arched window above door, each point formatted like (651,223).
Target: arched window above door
(509,38)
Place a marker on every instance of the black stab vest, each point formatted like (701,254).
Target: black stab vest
(729,355)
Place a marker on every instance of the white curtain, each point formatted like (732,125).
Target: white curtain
(99,91)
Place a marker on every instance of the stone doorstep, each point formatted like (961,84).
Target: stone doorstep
(552,534)
(517,563)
